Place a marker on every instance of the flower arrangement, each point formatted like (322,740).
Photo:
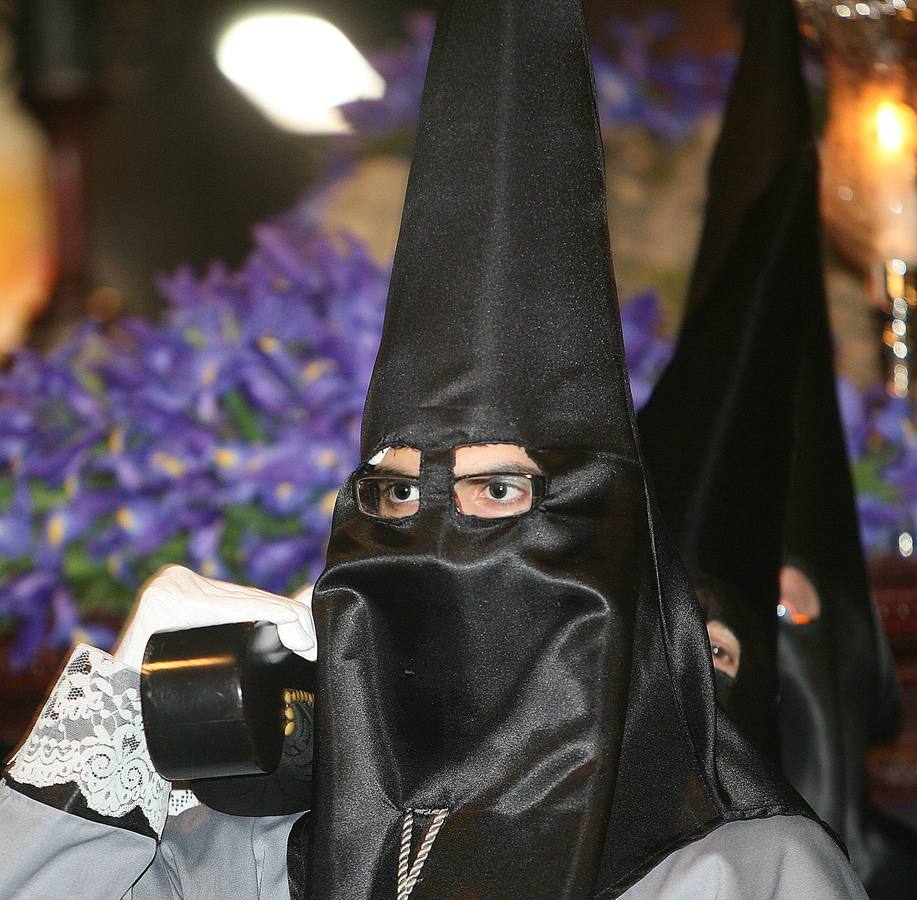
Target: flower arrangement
(217,437)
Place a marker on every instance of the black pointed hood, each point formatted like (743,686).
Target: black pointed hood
(765,126)
(764,478)
(501,309)
(529,698)
(717,431)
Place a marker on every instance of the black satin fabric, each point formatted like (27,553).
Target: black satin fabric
(518,673)
(765,123)
(501,304)
(546,679)
(810,720)
(825,758)
(839,686)
(717,431)
(745,443)
(725,685)
(496,675)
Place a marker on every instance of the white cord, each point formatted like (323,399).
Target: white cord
(408,878)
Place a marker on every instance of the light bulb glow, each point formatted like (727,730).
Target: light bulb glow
(891,127)
(297,69)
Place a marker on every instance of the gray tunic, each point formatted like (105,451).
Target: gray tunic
(204,855)
(89,738)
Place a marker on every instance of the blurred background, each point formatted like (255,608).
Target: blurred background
(198,207)
(166,161)
(176,163)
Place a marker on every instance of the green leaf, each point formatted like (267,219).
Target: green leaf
(11,568)
(7,489)
(242,417)
(255,520)
(867,477)
(103,594)
(78,567)
(91,382)
(44,497)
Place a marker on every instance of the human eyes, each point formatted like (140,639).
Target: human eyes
(722,658)
(494,496)
(401,491)
(725,648)
(399,497)
(389,498)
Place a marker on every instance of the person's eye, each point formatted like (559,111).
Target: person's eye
(725,648)
(502,490)
(400,492)
(388,498)
(493,496)
(724,659)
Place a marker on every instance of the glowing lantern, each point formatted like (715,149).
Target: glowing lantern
(869,160)
(26,217)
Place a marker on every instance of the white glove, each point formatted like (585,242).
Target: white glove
(176,597)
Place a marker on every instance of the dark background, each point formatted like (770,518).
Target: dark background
(179,164)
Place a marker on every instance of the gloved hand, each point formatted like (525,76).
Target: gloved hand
(176,597)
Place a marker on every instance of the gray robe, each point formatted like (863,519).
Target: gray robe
(47,853)
(86,753)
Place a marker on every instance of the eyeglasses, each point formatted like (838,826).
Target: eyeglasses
(491,495)
(388,496)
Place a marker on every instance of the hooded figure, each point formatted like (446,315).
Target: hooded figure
(523,705)
(514,696)
(838,687)
(717,430)
(754,364)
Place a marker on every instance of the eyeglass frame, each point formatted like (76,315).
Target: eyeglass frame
(537,480)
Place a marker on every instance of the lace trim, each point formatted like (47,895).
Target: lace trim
(181,800)
(90,733)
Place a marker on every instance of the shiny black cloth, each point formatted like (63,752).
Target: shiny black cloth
(838,686)
(544,679)
(763,477)
(717,431)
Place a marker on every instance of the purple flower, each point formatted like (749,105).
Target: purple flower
(647,352)
(853,411)
(16,529)
(277,565)
(67,626)
(27,600)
